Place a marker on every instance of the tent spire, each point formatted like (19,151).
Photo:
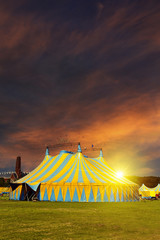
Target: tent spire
(79,148)
(101,153)
(47,150)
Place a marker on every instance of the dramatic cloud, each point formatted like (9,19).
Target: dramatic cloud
(83,71)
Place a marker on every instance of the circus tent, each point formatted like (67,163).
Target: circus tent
(73,177)
(146,192)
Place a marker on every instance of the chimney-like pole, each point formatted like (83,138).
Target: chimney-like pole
(18,167)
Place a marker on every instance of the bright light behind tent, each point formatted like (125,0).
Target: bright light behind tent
(119,174)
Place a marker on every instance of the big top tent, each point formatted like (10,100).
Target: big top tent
(73,177)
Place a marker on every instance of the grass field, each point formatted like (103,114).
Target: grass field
(55,220)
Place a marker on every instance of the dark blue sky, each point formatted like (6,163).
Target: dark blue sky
(83,71)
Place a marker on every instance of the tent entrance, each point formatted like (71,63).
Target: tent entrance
(27,193)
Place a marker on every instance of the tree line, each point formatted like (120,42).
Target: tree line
(149,181)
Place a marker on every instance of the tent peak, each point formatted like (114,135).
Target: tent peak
(101,153)
(47,150)
(79,148)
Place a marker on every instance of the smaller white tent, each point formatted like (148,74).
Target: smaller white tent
(149,192)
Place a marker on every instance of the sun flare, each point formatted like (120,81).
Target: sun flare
(119,174)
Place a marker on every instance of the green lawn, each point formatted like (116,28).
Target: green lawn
(55,220)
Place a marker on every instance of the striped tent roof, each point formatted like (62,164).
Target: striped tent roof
(145,188)
(146,192)
(69,167)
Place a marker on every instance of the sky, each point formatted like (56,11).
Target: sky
(81,71)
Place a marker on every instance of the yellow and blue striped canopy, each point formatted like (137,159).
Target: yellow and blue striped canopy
(72,176)
(70,167)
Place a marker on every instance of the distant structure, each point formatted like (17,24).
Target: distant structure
(18,173)
(7,177)
(18,167)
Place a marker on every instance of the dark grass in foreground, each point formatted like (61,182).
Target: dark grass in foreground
(55,220)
